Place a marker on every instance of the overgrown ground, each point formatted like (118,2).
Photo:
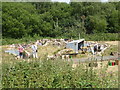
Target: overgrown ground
(113,47)
(94,37)
(56,73)
(47,50)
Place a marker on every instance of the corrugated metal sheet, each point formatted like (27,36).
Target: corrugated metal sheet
(74,44)
(77,41)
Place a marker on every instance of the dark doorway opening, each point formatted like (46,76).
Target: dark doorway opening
(80,45)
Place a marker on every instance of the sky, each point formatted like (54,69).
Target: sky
(67,1)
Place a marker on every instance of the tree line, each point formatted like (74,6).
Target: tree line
(53,19)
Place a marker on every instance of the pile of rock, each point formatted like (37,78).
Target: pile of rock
(54,42)
(63,54)
(96,48)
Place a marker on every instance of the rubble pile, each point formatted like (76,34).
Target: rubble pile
(54,42)
(97,48)
(90,47)
(64,54)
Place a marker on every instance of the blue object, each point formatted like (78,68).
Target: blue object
(14,52)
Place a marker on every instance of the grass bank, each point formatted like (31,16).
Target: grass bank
(54,74)
(42,73)
(87,37)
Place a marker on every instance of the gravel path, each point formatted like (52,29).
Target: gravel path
(98,58)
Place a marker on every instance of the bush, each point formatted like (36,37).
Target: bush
(52,74)
(102,37)
(91,37)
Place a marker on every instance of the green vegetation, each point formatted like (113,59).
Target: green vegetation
(42,73)
(112,48)
(27,22)
(54,74)
(94,21)
(87,37)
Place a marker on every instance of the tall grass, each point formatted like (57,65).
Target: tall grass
(94,37)
(54,74)
(101,37)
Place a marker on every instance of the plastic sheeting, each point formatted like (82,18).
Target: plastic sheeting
(14,52)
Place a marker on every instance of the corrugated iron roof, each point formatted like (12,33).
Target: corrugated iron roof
(74,41)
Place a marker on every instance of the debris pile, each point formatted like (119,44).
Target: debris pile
(96,48)
(87,46)
(81,46)
(54,42)
(63,54)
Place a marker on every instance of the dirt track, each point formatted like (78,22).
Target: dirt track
(98,58)
(104,59)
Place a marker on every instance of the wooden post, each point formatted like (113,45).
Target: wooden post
(79,36)
(118,63)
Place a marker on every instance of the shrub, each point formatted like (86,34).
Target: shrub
(53,74)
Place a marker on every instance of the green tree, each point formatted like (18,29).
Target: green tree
(113,21)
(96,24)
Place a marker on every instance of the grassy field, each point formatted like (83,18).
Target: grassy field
(54,74)
(42,73)
(87,37)
(113,47)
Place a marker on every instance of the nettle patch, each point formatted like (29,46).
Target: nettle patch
(55,74)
